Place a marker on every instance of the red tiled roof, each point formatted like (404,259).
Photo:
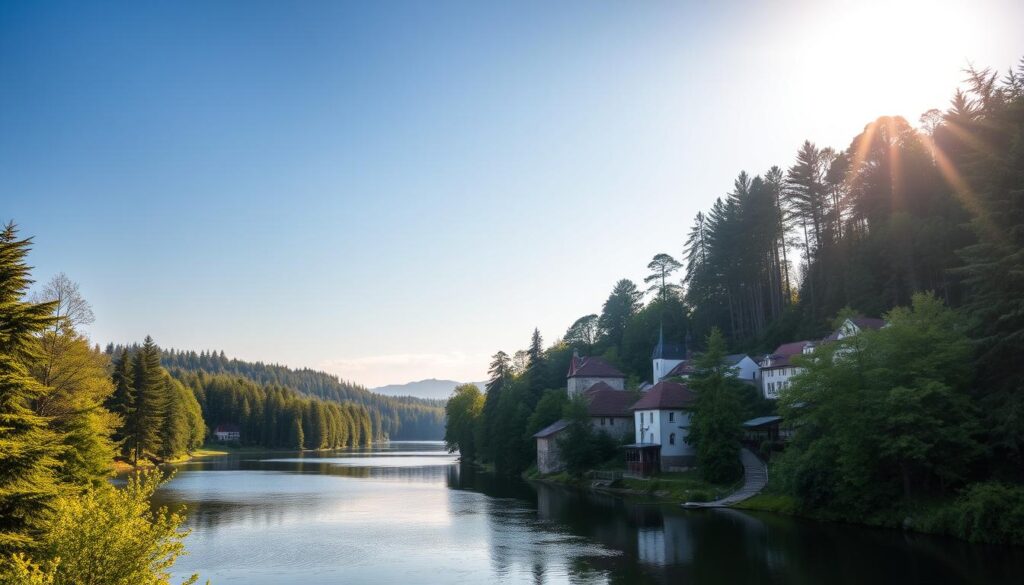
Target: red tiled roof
(780,357)
(666,395)
(684,368)
(603,400)
(592,367)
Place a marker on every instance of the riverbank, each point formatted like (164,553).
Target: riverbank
(121,466)
(668,488)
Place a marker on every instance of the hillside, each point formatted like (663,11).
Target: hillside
(401,418)
(431,389)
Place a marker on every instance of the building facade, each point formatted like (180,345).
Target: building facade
(662,417)
(584,372)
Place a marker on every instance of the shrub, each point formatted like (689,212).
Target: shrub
(985,512)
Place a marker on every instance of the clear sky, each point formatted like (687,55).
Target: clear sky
(393,191)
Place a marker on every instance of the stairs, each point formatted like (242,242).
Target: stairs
(755,477)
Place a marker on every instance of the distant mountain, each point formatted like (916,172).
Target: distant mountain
(430,389)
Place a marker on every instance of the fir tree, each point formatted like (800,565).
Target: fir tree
(29,449)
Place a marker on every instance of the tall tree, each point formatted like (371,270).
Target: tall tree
(583,334)
(536,369)
(662,267)
(462,411)
(147,418)
(29,448)
(715,427)
(621,305)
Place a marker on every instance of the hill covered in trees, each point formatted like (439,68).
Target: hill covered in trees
(921,223)
(398,418)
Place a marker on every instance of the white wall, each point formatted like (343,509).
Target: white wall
(747,369)
(773,380)
(658,426)
(578,385)
(663,367)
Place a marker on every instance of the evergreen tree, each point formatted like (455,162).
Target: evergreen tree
(150,404)
(29,448)
(618,309)
(715,426)
(536,371)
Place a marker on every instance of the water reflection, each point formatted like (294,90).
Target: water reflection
(410,514)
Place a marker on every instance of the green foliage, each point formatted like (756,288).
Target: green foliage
(582,448)
(715,423)
(984,512)
(111,536)
(29,447)
(462,413)
(549,410)
(396,418)
(618,309)
(883,415)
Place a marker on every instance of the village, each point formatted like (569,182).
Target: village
(653,421)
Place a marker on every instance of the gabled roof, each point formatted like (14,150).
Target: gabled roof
(666,395)
(603,400)
(552,429)
(861,323)
(734,358)
(684,368)
(592,367)
(227,428)
(688,367)
(782,354)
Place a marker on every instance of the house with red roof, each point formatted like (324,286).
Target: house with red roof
(777,367)
(610,409)
(662,418)
(584,372)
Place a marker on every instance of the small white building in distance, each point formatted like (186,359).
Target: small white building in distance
(227,432)
(665,357)
(662,417)
(777,369)
(584,372)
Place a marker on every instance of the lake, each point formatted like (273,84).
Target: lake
(408,513)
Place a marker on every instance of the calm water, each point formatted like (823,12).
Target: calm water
(407,513)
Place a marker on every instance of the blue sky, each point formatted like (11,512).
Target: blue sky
(392,191)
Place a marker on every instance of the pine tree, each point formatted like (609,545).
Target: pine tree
(535,368)
(147,420)
(28,447)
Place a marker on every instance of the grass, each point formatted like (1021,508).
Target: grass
(682,486)
(777,503)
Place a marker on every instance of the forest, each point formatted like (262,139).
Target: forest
(398,418)
(922,224)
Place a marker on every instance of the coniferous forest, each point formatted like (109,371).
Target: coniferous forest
(921,222)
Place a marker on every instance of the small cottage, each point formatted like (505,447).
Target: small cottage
(549,457)
(227,432)
(609,410)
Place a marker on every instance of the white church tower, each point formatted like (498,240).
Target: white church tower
(666,356)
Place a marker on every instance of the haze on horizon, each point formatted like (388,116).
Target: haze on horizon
(395,192)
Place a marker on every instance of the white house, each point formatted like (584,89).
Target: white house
(662,417)
(584,372)
(666,356)
(777,369)
(855,325)
(227,432)
(741,364)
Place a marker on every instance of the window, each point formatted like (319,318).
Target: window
(672,439)
(652,437)
(602,421)
(611,422)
